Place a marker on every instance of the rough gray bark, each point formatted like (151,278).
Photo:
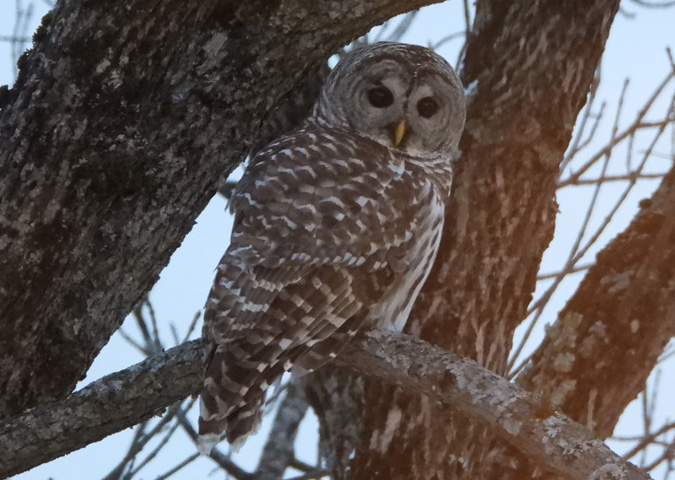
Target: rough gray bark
(552,440)
(107,406)
(529,65)
(112,140)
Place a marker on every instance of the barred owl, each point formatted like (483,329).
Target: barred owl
(336,228)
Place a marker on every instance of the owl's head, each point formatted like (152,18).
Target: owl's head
(403,96)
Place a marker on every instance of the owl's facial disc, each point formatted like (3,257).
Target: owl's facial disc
(402,96)
(402,107)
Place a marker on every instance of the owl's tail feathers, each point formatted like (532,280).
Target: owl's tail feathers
(233,395)
(210,428)
(245,420)
(206,442)
(238,425)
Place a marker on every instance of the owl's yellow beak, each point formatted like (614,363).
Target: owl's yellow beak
(399,132)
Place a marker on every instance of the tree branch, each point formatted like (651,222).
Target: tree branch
(279,450)
(553,440)
(109,405)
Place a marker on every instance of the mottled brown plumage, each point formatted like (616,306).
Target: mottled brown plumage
(336,227)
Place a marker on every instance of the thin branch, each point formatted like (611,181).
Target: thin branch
(667,455)
(150,332)
(303,467)
(173,412)
(401,28)
(13,39)
(446,39)
(131,341)
(226,188)
(192,326)
(647,440)
(182,464)
(315,474)
(644,3)
(578,141)
(21,23)
(278,452)
(576,269)
(630,130)
(629,177)
(467,31)
(668,352)
(223,461)
(116,473)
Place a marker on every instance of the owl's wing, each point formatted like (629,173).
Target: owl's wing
(310,311)
(321,230)
(327,197)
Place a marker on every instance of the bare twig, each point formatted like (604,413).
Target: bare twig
(226,188)
(116,473)
(645,3)
(278,451)
(401,28)
(223,461)
(132,341)
(20,38)
(630,130)
(175,469)
(311,475)
(578,140)
(174,411)
(576,269)
(467,30)
(647,440)
(629,177)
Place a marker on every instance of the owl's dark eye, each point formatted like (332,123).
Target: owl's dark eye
(380,97)
(427,107)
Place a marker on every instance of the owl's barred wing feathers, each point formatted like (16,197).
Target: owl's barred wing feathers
(311,254)
(325,191)
(336,225)
(321,310)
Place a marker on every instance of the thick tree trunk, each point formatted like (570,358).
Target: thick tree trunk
(529,66)
(122,120)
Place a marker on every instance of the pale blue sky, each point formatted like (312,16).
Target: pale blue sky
(635,49)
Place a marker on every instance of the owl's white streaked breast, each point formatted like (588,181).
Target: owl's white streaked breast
(392,311)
